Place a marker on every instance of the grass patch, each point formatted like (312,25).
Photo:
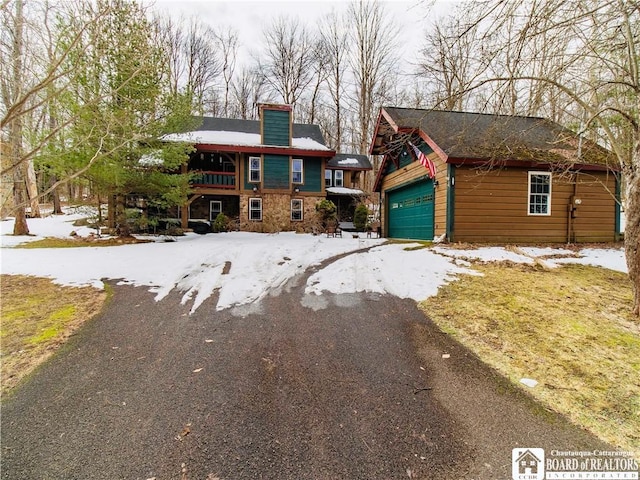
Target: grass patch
(37,317)
(569,328)
(76,242)
(421,244)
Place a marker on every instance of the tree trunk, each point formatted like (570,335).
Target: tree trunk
(32,189)
(100,219)
(15,130)
(20,226)
(57,206)
(632,238)
(122,226)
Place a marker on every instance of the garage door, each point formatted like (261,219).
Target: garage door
(410,211)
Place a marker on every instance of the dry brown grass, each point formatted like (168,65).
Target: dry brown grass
(569,328)
(37,317)
(75,242)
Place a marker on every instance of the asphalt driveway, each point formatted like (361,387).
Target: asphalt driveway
(329,387)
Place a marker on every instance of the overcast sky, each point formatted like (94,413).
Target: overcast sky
(250,18)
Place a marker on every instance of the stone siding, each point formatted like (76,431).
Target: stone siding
(276,214)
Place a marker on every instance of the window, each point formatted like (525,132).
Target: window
(254,169)
(539,193)
(327,178)
(255,209)
(296,209)
(296,170)
(338,178)
(214,209)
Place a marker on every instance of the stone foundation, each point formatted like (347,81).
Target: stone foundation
(276,214)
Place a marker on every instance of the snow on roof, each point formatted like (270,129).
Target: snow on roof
(244,139)
(307,143)
(349,161)
(344,191)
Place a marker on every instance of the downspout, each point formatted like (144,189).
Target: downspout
(571,211)
(450,211)
(384,205)
(572,205)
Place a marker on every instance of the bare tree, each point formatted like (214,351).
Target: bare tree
(248,90)
(228,42)
(374,37)
(319,75)
(33,74)
(12,58)
(289,58)
(450,62)
(194,64)
(335,41)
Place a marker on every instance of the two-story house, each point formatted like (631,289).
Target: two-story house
(267,173)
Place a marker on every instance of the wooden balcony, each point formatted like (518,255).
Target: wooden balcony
(225,180)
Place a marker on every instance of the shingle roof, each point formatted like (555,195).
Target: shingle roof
(486,136)
(300,130)
(350,161)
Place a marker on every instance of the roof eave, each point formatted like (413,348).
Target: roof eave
(474,162)
(340,167)
(260,149)
(382,114)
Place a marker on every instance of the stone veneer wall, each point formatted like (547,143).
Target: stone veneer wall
(276,214)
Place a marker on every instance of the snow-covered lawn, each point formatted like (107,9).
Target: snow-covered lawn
(263,263)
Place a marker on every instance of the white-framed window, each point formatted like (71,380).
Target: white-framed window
(255,209)
(255,170)
(297,170)
(297,205)
(539,193)
(327,178)
(215,208)
(338,177)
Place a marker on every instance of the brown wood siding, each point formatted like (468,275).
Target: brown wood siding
(346,174)
(440,213)
(493,206)
(355,179)
(595,217)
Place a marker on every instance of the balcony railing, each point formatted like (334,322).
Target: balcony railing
(214,179)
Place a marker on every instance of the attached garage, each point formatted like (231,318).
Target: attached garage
(410,211)
(498,178)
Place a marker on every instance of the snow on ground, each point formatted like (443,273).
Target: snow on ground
(194,263)
(52,226)
(389,269)
(612,258)
(485,254)
(544,251)
(262,263)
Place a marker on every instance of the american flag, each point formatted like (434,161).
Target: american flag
(424,160)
